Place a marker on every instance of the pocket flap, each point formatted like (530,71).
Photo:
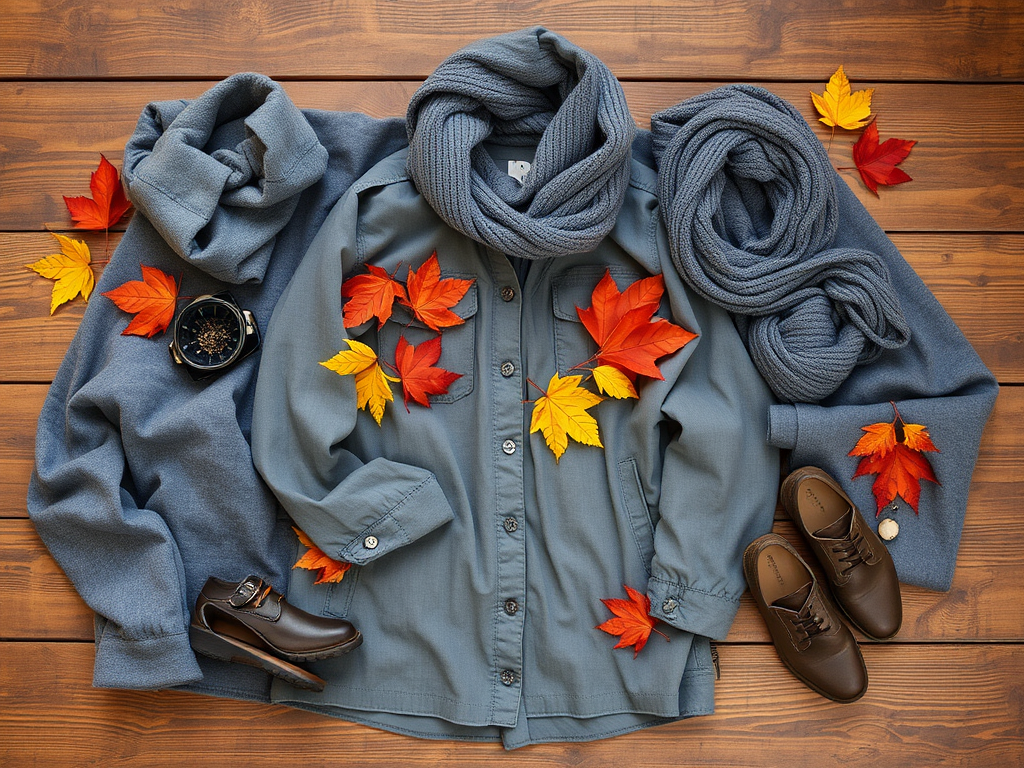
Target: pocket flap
(466,308)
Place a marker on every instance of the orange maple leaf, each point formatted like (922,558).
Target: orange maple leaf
(633,622)
(431,298)
(415,364)
(370,295)
(621,324)
(894,452)
(152,300)
(108,203)
(330,570)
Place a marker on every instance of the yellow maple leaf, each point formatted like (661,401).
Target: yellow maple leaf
(613,382)
(71,268)
(839,107)
(562,413)
(373,391)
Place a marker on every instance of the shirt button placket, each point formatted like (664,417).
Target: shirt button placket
(509,426)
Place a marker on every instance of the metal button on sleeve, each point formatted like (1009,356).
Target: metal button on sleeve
(508,677)
(508,368)
(508,293)
(511,607)
(511,525)
(370,542)
(509,447)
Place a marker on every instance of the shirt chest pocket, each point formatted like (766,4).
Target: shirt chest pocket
(574,288)
(458,342)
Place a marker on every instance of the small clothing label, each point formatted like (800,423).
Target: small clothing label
(518,169)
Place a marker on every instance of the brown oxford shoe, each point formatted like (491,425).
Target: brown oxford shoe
(250,623)
(858,566)
(808,634)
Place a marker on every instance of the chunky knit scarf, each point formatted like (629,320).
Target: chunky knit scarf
(749,199)
(526,88)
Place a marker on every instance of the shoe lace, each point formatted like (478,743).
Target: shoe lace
(853,551)
(808,623)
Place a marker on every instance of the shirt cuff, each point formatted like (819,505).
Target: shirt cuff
(691,610)
(782,426)
(420,511)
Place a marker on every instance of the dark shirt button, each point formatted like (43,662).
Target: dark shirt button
(508,677)
(508,293)
(511,607)
(511,525)
(508,368)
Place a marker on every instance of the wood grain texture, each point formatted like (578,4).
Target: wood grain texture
(683,39)
(967,174)
(977,278)
(763,716)
(985,603)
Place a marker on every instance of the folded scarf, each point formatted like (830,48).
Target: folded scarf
(527,88)
(748,196)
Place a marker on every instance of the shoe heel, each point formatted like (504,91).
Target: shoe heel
(207,643)
(216,647)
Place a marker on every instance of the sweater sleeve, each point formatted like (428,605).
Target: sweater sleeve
(353,510)
(720,478)
(936,380)
(121,557)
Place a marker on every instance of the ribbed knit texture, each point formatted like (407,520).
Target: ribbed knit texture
(749,200)
(526,88)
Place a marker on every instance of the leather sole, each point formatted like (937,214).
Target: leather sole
(225,648)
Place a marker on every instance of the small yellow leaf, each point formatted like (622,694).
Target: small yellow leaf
(562,413)
(372,388)
(71,268)
(373,391)
(356,358)
(614,382)
(839,107)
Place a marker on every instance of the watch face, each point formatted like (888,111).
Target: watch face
(209,333)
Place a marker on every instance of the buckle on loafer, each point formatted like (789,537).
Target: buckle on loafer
(246,591)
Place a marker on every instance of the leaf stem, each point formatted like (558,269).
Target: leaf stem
(654,629)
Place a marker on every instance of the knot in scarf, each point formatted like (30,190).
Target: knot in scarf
(527,88)
(748,196)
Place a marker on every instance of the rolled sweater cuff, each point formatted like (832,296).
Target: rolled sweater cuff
(144,664)
(782,426)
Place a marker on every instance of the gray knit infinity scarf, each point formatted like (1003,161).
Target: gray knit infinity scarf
(526,88)
(749,199)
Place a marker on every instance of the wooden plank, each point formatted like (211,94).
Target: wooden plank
(732,39)
(966,177)
(22,404)
(51,716)
(977,278)
(985,603)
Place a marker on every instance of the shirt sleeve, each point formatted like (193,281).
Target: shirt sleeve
(353,510)
(720,478)
(937,380)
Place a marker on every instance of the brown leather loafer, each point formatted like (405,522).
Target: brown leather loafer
(250,623)
(859,567)
(808,634)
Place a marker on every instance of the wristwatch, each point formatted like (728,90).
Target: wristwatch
(212,334)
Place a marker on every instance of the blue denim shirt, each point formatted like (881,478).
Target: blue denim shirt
(467,510)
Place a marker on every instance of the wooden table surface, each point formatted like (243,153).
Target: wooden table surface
(948,691)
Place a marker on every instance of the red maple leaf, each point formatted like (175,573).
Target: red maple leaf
(622,326)
(420,378)
(370,295)
(876,162)
(431,298)
(108,203)
(152,300)
(329,570)
(633,622)
(894,452)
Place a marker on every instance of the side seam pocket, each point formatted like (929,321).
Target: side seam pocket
(636,507)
